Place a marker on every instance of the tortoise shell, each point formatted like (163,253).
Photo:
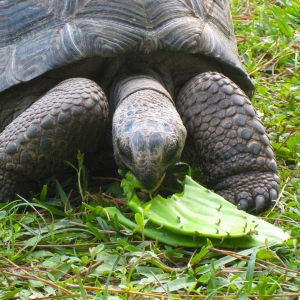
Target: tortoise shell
(39,36)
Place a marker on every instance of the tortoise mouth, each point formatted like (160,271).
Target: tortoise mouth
(152,186)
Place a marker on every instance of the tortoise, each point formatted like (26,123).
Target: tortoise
(153,77)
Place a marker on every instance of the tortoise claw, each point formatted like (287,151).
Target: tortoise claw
(260,203)
(273,196)
(243,205)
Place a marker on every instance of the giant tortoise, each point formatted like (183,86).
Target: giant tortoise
(156,74)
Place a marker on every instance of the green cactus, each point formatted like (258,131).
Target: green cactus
(196,212)
(266,232)
(189,218)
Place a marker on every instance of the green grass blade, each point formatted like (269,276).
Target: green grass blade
(250,270)
(82,289)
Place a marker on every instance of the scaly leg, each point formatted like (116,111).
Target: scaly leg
(235,152)
(72,116)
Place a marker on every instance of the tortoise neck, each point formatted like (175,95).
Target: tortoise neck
(126,85)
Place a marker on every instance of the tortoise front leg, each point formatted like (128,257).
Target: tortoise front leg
(70,117)
(235,152)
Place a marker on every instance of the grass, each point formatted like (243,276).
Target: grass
(49,250)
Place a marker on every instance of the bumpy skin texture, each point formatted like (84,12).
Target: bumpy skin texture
(72,116)
(148,134)
(235,153)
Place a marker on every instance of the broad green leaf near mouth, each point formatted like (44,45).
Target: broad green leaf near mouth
(197,212)
(189,218)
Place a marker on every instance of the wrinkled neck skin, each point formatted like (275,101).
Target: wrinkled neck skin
(148,134)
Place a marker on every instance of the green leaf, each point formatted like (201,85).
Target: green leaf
(96,232)
(180,213)
(183,282)
(219,218)
(99,248)
(250,270)
(36,283)
(265,253)
(261,286)
(115,190)
(11,294)
(80,159)
(275,285)
(139,220)
(279,15)
(71,165)
(50,208)
(146,209)
(63,195)
(59,271)
(211,284)
(169,293)
(85,260)
(128,246)
(81,287)
(170,238)
(44,193)
(203,252)
(3,214)
(205,277)
(292,142)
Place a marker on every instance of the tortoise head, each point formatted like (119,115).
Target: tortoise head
(148,134)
